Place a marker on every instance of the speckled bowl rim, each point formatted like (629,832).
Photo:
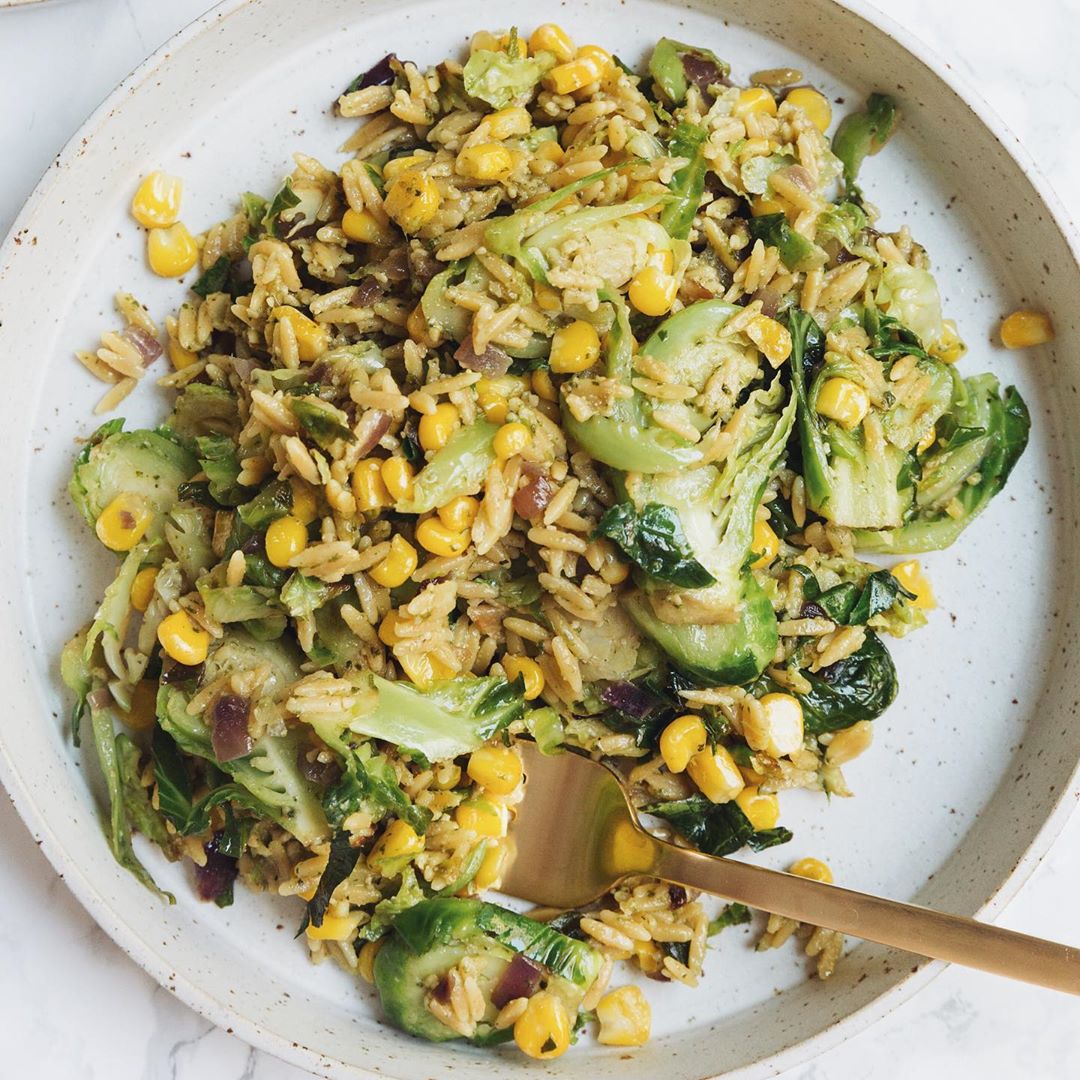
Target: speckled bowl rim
(218,1011)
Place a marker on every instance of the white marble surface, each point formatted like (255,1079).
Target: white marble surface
(73,1007)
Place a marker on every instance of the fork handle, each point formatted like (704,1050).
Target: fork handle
(904,926)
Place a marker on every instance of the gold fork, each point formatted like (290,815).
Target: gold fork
(576,836)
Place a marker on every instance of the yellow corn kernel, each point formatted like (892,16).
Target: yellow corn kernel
(543,1029)
(529,670)
(157,200)
(388,634)
(142,714)
(628,850)
(489,876)
(365,959)
(782,726)
(423,670)
(447,776)
(681,740)
(305,507)
(496,769)
(844,401)
(547,298)
(649,957)
(432,535)
(571,76)
(911,577)
(771,338)
(334,927)
(142,588)
(398,841)
(716,774)
(755,99)
(1024,328)
(762,811)
(397,475)
(180,357)
(818,110)
(542,386)
(763,205)
(753,148)
(362,226)
(625,1017)
(311,337)
(511,439)
(398,566)
(435,429)
(600,58)
(521,46)
(814,869)
(285,537)
(483,817)
(508,122)
(123,523)
(574,348)
(849,743)
(766,544)
(553,39)
(459,513)
(367,486)
(412,200)
(548,150)
(185,642)
(493,405)
(417,327)
(652,291)
(172,251)
(488,161)
(926,441)
(486,40)
(396,166)
(951,347)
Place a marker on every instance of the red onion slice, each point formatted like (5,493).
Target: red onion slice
(492,361)
(531,499)
(372,427)
(519,980)
(229,727)
(149,347)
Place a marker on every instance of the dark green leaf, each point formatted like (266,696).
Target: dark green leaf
(796,252)
(371,783)
(730,915)
(284,200)
(220,460)
(213,280)
(170,774)
(859,687)
(654,539)
(716,828)
(320,422)
(339,865)
(259,570)
(273,502)
(255,208)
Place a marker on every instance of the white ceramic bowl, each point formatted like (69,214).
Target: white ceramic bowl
(974,767)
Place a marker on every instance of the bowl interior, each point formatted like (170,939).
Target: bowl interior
(968,765)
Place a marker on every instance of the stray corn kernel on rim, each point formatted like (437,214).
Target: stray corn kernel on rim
(576,406)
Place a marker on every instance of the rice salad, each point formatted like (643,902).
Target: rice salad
(570,408)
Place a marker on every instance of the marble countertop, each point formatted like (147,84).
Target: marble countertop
(55,1027)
